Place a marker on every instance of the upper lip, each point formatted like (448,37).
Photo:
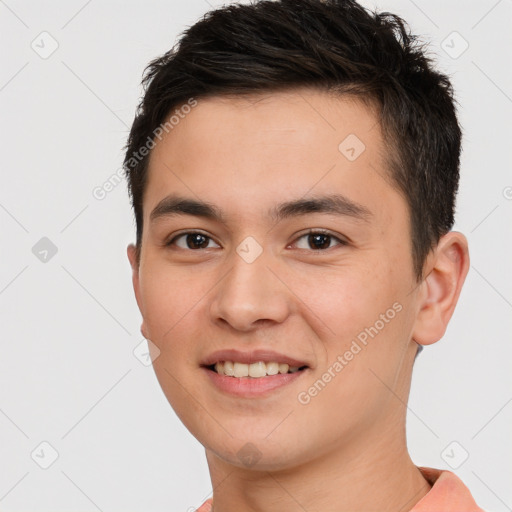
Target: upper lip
(252,356)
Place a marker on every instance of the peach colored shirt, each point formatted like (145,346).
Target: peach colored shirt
(448,494)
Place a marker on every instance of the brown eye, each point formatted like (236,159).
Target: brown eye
(319,240)
(192,240)
(196,240)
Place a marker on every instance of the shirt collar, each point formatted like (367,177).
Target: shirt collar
(448,493)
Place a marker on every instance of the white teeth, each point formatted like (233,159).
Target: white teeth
(272,368)
(229,369)
(255,370)
(241,370)
(258,369)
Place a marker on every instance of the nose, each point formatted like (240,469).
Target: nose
(251,294)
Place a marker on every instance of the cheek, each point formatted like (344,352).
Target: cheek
(365,323)
(358,382)
(171,305)
(348,301)
(174,317)
(167,297)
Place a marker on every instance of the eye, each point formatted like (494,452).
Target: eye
(320,240)
(192,240)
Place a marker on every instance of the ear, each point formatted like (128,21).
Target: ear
(131,251)
(440,289)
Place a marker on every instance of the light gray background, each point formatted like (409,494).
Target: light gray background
(68,374)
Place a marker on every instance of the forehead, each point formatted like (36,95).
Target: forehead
(262,146)
(301,116)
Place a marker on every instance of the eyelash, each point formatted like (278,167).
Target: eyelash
(340,241)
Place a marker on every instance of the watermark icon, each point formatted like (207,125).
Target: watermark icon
(44,250)
(249,454)
(249,249)
(44,45)
(454,45)
(44,455)
(304,397)
(351,147)
(158,132)
(455,455)
(146,352)
(507,193)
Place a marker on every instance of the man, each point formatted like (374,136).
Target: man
(293,168)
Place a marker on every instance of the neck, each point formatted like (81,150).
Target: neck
(370,471)
(360,476)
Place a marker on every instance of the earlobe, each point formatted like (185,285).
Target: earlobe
(131,251)
(449,264)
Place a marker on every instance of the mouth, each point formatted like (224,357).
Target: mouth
(256,370)
(254,379)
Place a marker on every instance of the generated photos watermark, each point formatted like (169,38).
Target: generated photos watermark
(305,397)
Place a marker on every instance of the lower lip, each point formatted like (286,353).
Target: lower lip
(248,387)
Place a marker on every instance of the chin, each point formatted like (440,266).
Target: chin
(256,454)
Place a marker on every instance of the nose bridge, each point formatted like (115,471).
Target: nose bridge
(250,291)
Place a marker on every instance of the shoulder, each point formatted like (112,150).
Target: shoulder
(206,506)
(448,493)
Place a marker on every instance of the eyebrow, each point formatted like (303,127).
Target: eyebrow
(336,204)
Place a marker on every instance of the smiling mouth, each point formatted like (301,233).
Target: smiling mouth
(254,370)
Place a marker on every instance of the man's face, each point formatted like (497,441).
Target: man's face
(255,281)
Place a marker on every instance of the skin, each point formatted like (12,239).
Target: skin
(345,450)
